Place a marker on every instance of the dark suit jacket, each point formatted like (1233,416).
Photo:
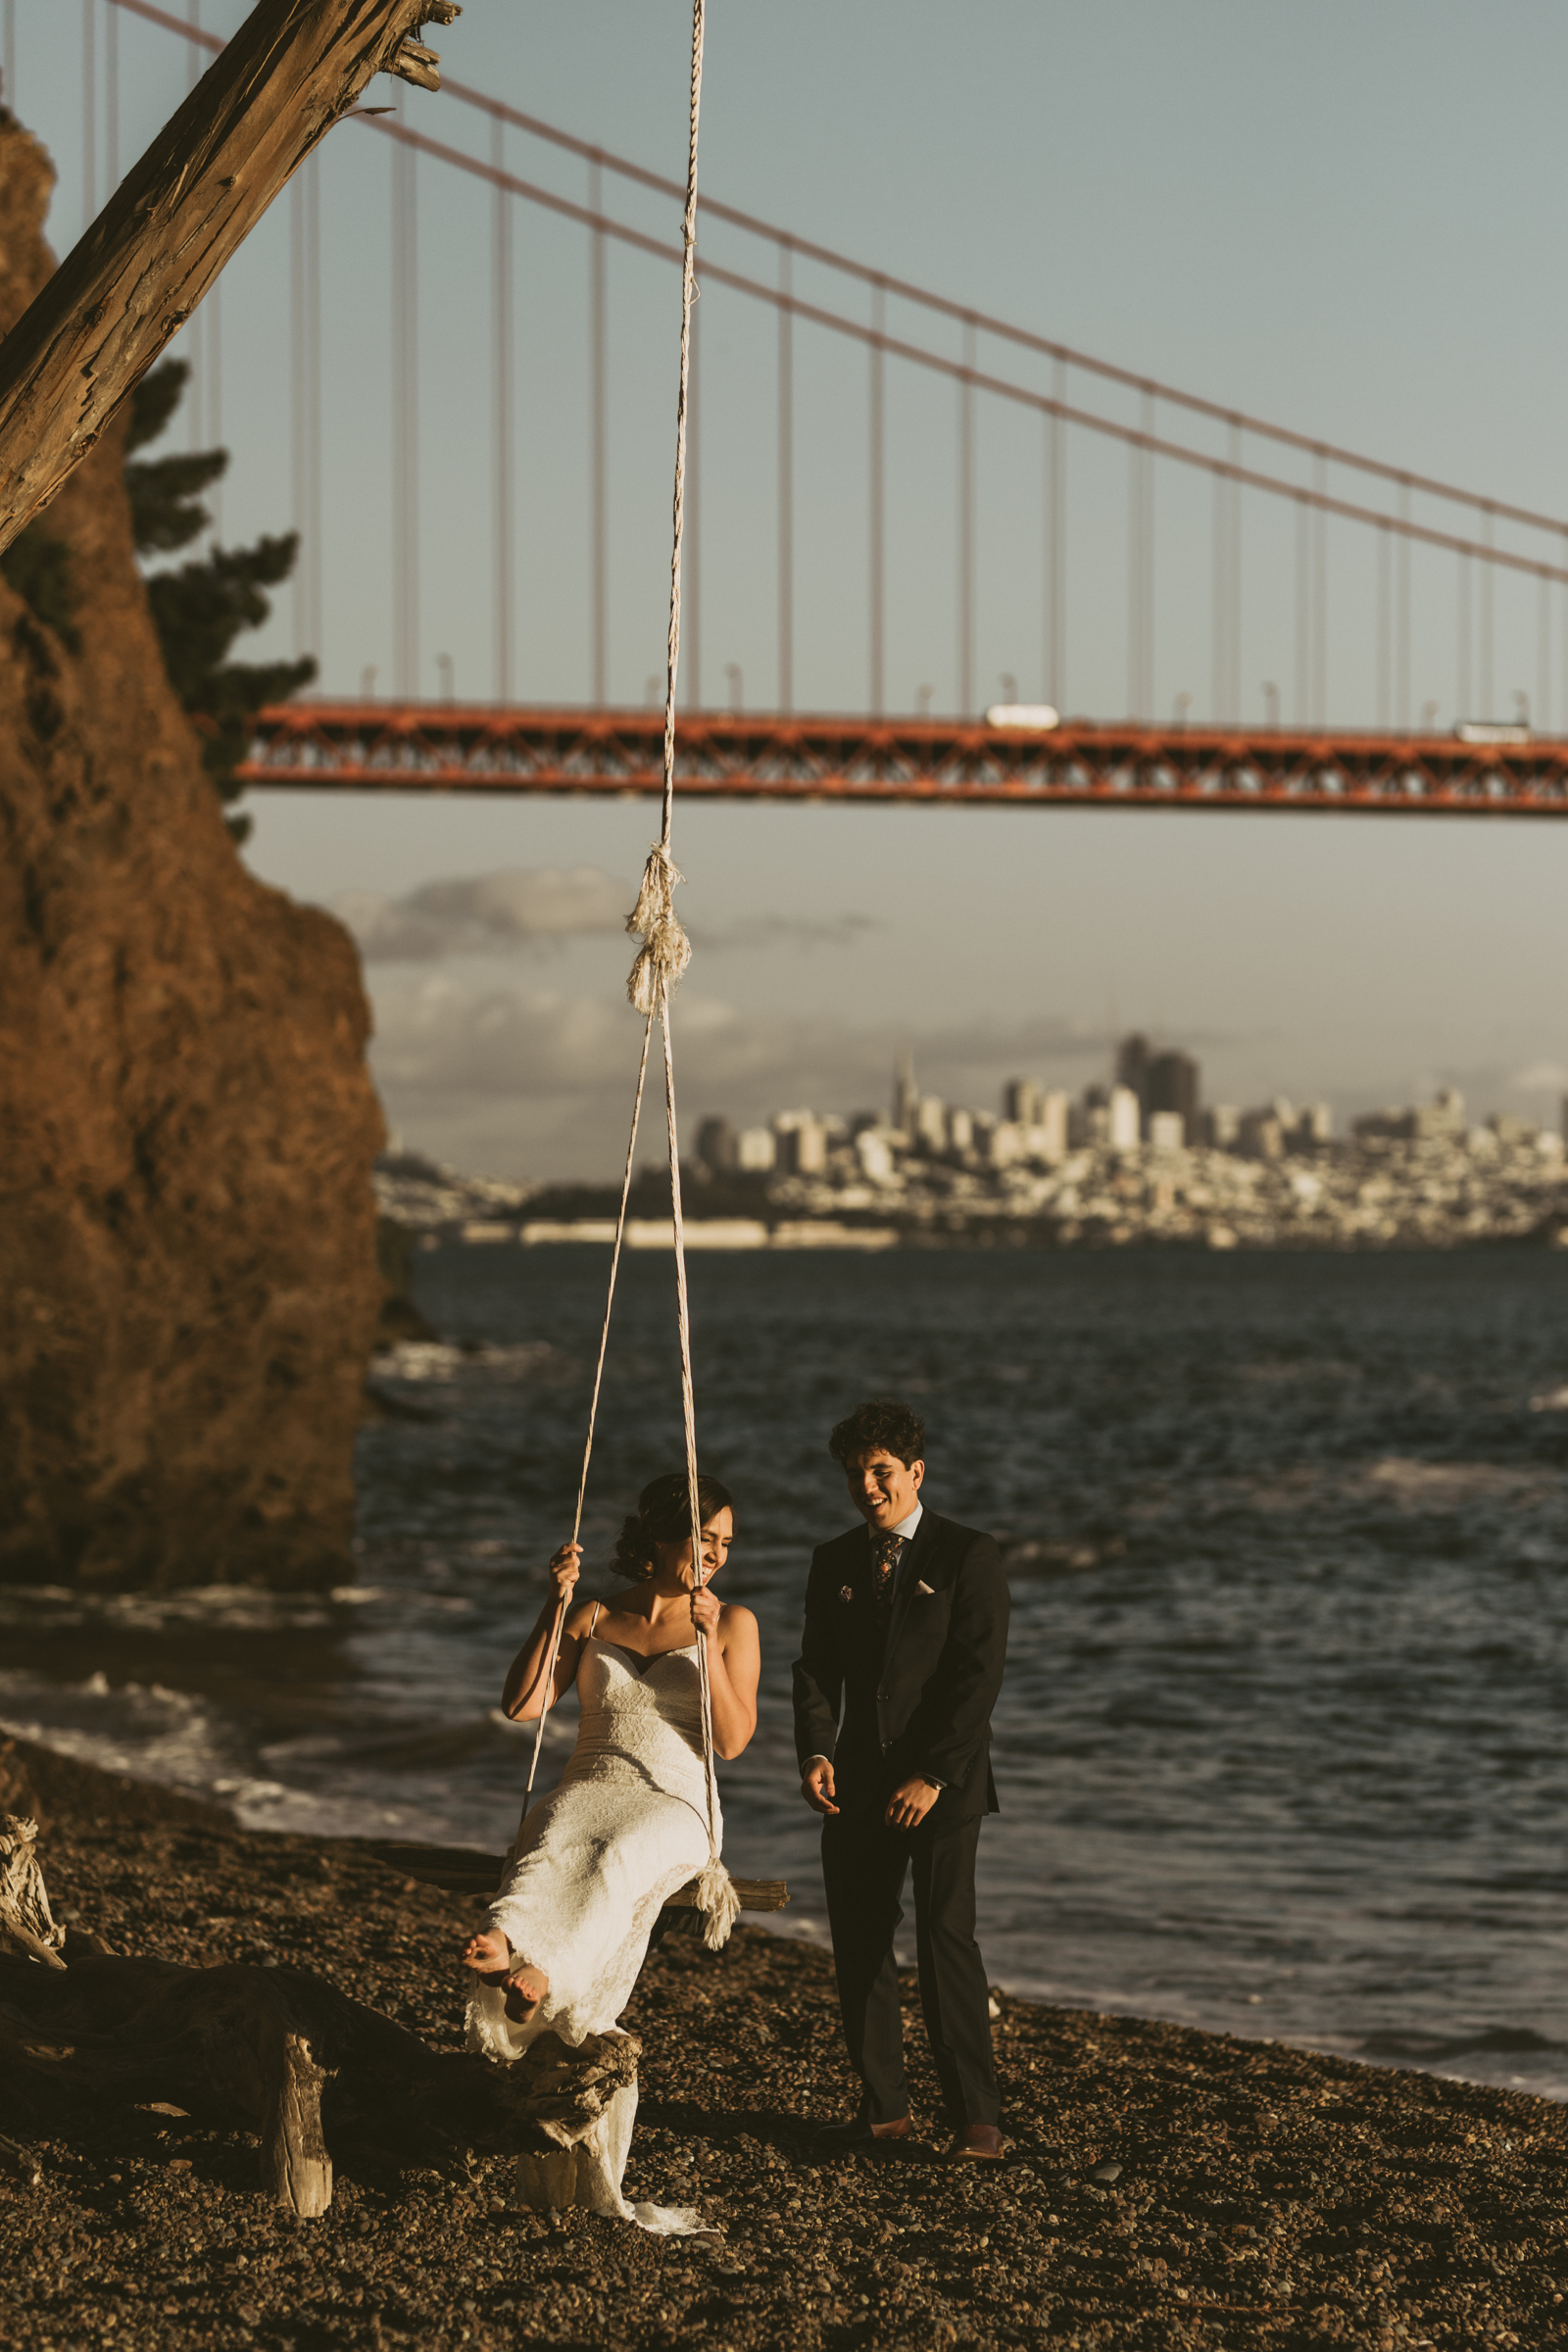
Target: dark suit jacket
(922,1703)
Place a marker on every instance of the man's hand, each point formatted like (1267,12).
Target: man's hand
(910,1805)
(817,1786)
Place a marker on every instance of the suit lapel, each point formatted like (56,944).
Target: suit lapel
(908,1576)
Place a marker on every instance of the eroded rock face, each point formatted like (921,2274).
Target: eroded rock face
(188,1284)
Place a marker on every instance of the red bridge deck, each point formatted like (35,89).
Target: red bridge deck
(457,746)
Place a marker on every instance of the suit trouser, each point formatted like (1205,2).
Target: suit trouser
(863,1868)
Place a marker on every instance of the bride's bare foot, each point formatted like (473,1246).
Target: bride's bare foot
(525,1989)
(489,1952)
(491,1957)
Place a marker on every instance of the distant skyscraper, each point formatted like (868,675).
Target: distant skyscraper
(1172,1084)
(717,1147)
(906,1098)
(1134,1056)
(929,1123)
(1020,1101)
(1125,1125)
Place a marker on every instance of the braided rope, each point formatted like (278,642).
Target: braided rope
(593,1410)
(661,959)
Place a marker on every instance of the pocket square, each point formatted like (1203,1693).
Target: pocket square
(928,1590)
(846,1591)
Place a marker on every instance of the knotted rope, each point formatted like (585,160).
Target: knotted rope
(661,959)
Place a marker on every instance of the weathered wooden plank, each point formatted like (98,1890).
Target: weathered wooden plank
(293,70)
(756,1894)
(464,1870)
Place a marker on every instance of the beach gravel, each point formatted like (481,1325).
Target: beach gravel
(1266,2196)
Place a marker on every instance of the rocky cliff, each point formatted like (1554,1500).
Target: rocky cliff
(188,1282)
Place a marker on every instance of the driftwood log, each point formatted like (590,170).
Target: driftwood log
(293,70)
(277,2050)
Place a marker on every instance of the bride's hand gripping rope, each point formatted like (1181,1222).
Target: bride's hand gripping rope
(566,1567)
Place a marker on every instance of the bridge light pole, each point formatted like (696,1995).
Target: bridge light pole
(1271,704)
(737,687)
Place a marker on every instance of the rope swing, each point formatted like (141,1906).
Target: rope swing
(661,959)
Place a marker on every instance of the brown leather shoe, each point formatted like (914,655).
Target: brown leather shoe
(977,2139)
(857,2134)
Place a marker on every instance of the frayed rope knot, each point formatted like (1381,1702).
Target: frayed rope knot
(717,1898)
(667,950)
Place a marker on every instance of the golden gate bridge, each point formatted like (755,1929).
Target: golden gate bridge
(1387,518)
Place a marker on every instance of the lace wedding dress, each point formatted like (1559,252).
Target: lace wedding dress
(593,1865)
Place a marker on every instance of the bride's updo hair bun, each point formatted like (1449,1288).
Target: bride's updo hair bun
(664,1515)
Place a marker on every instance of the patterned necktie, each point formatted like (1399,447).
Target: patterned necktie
(885,1554)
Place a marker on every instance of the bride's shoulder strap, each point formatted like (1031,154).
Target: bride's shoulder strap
(594,1620)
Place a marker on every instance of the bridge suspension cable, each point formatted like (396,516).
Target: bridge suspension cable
(1152,435)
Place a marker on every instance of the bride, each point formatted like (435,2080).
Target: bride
(595,1861)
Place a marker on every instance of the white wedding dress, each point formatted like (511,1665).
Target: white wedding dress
(593,1865)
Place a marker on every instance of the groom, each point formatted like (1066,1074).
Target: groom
(907,1632)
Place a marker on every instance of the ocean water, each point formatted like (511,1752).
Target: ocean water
(1282,1741)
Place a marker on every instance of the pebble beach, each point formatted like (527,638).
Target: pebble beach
(1163,2187)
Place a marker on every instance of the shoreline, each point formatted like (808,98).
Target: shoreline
(1265,2194)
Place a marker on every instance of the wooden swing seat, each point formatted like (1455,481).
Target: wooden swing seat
(464,1870)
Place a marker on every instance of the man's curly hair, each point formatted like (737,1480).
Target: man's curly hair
(881,1426)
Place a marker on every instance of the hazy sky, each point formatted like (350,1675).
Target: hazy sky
(1342,217)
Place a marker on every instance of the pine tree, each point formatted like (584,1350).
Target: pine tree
(198,610)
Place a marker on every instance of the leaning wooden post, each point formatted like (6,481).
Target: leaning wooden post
(293,68)
(296,2164)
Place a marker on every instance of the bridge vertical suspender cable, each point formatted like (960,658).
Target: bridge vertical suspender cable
(1054,583)
(112,99)
(298,599)
(89,111)
(1486,617)
(876,551)
(1320,594)
(1464,632)
(692,591)
(1141,564)
(966,525)
(503,517)
(1401,656)
(196,325)
(599,523)
(305,403)
(1232,555)
(1220,622)
(406,663)
(312,553)
(786,486)
(1385,625)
